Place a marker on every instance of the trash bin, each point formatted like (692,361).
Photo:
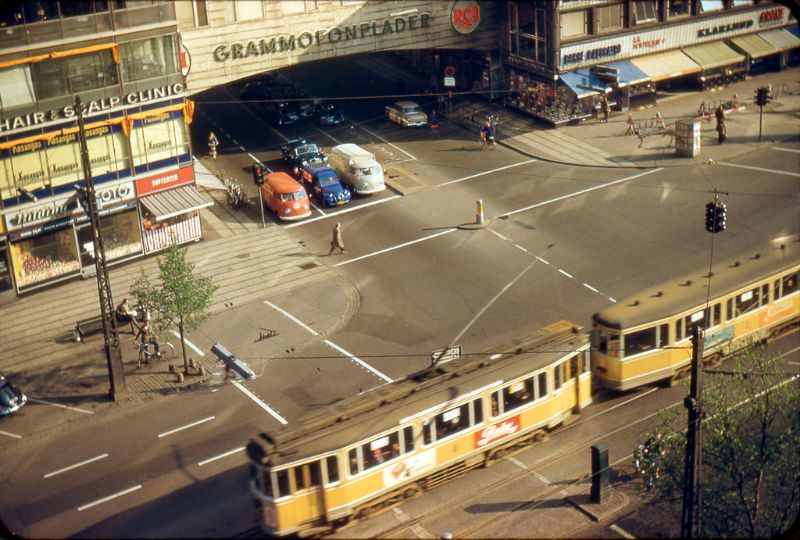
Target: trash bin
(687,138)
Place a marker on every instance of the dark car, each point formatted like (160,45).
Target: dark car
(322,183)
(11,397)
(299,153)
(328,115)
(282,114)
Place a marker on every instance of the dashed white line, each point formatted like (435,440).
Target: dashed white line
(519,464)
(565,273)
(291,317)
(110,497)
(540,259)
(611,299)
(76,409)
(590,287)
(787,173)
(541,477)
(187,426)
(622,532)
(189,343)
(75,466)
(12,435)
(254,158)
(794,150)
(519,247)
(500,236)
(220,456)
(405,244)
(242,148)
(358,361)
(343,211)
(260,403)
(484,173)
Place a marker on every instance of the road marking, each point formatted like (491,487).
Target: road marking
(260,403)
(81,464)
(110,497)
(793,363)
(795,150)
(484,173)
(187,426)
(581,192)
(539,258)
(612,299)
(787,353)
(291,317)
(387,142)
(12,435)
(220,456)
(76,409)
(358,361)
(495,356)
(620,531)
(519,247)
(542,478)
(521,465)
(565,273)
(634,398)
(254,158)
(590,287)
(374,253)
(189,343)
(342,211)
(318,209)
(402,516)
(500,236)
(787,173)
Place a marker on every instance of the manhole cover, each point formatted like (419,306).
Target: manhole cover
(308,265)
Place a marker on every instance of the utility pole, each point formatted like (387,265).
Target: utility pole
(690,519)
(88,199)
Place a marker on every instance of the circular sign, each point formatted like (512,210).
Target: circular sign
(449,71)
(465,16)
(186,60)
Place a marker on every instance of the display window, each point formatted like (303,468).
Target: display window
(45,257)
(180,229)
(121,236)
(553,103)
(157,139)
(148,58)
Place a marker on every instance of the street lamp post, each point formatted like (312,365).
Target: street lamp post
(88,200)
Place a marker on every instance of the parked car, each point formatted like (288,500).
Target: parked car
(322,183)
(357,168)
(282,114)
(299,153)
(285,197)
(11,397)
(407,114)
(328,115)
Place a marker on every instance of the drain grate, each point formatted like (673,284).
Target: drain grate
(308,265)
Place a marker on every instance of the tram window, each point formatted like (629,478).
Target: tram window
(299,481)
(477,411)
(517,394)
(542,386)
(332,466)
(283,483)
(573,366)
(789,285)
(408,439)
(267,476)
(729,309)
(427,437)
(695,319)
(765,294)
(557,377)
(381,450)
(716,317)
(641,341)
(315,473)
(587,365)
(352,458)
(452,421)
(663,335)
(679,330)
(747,301)
(495,403)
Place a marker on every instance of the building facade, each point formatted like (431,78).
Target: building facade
(562,56)
(122,59)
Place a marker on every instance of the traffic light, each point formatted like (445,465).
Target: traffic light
(721,218)
(711,211)
(763,96)
(258,174)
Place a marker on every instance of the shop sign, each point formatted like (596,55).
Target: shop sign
(592,54)
(770,17)
(639,43)
(93,106)
(724,28)
(465,16)
(166,180)
(40,213)
(410,467)
(332,36)
(496,431)
(186,60)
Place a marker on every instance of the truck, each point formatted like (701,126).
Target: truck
(407,114)
(357,168)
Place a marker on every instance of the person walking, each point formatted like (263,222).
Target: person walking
(336,241)
(722,133)
(660,120)
(606,108)
(213,143)
(631,126)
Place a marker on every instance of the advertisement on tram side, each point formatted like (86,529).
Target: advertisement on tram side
(407,468)
(498,430)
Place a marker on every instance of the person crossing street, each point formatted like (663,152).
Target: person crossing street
(213,143)
(337,242)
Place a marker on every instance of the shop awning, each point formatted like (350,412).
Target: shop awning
(174,202)
(629,73)
(781,39)
(666,65)
(754,46)
(583,82)
(713,55)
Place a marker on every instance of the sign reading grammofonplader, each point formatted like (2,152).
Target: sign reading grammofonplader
(304,40)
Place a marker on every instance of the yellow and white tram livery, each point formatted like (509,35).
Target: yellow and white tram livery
(647,337)
(369,451)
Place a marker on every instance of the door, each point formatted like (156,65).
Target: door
(86,249)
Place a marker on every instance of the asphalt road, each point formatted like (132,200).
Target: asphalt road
(561,243)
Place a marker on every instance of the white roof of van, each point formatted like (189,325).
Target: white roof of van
(363,162)
(351,150)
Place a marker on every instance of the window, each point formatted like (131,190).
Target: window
(332,467)
(527,31)
(299,482)
(742,3)
(711,5)
(148,58)
(17,87)
(266,476)
(641,341)
(644,11)
(518,394)
(314,473)
(678,8)
(201,13)
(573,24)
(786,285)
(495,404)
(408,439)
(247,10)
(477,411)
(283,483)
(542,386)
(663,335)
(91,71)
(573,367)
(557,377)
(745,302)
(452,421)
(352,458)
(587,365)
(608,343)
(765,294)
(381,450)
(609,18)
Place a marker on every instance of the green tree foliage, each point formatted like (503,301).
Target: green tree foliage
(750,474)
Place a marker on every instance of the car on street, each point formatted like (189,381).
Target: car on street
(328,115)
(298,153)
(11,397)
(282,114)
(284,196)
(357,168)
(322,183)
(407,114)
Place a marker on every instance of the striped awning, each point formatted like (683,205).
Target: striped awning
(174,202)
(666,65)
(713,55)
(753,45)
(782,39)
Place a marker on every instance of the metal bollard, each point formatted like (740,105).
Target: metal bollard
(479,212)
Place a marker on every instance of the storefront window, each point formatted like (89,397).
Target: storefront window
(644,11)
(573,24)
(17,87)
(679,8)
(711,5)
(159,235)
(159,138)
(45,257)
(63,76)
(148,58)
(26,167)
(609,18)
(121,234)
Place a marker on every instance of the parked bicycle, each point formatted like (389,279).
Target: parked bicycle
(236,195)
(647,459)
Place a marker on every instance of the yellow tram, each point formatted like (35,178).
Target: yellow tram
(369,451)
(647,337)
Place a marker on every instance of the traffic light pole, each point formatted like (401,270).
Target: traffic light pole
(690,518)
(760,120)
(116,371)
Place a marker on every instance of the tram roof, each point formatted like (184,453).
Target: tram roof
(690,291)
(359,417)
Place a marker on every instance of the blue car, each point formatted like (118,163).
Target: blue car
(322,184)
(11,397)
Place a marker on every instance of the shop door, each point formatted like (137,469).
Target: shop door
(86,249)
(5,273)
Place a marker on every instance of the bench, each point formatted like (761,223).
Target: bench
(94,325)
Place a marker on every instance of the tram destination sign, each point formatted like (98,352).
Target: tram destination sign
(446,355)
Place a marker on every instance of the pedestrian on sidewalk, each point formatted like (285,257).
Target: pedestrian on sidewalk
(631,126)
(336,241)
(606,108)
(660,120)
(721,131)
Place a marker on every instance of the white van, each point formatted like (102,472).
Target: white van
(357,168)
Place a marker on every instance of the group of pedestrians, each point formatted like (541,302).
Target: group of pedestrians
(148,344)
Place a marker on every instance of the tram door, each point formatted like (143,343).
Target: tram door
(310,475)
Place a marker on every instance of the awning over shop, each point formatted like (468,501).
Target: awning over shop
(174,202)
(584,83)
(713,55)
(781,39)
(629,73)
(666,65)
(753,46)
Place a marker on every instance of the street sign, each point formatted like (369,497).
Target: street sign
(446,355)
(449,81)
(449,71)
(232,362)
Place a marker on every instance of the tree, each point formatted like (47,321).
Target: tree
(750,474)
(182,299)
